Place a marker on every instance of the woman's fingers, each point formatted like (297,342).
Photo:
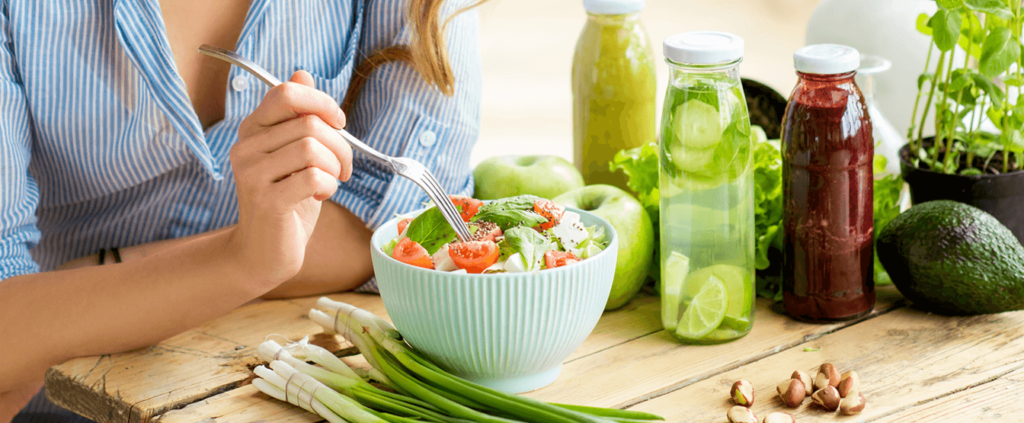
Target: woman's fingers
(311,126)
(302,77)
(300,154)
(310,182)
(290,100)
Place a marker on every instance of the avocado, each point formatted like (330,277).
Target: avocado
(954,259)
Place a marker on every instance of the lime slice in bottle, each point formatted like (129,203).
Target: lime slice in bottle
(673,274)
(705,312)
(737,285)
(697,124)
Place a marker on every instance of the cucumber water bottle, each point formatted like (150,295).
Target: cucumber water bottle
(707,192)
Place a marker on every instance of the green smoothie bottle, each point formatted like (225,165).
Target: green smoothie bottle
(613,88)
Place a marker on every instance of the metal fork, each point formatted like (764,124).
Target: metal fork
(402,166)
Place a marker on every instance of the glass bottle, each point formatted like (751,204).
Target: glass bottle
(707,192)
(888,140)
(613,87)
(827,152)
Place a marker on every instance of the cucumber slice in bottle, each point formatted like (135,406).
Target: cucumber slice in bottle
(673,274)
(705,312)
(697,124)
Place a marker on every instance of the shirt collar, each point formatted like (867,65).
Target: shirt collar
(142,34)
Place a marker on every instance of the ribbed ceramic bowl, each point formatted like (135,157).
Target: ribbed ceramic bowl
(507,331)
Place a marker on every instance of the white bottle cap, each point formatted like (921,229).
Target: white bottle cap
(613,7)
(703,47)
(826,59)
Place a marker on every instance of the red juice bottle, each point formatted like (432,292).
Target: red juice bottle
(827,152)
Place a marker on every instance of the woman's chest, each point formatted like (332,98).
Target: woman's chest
(110,108)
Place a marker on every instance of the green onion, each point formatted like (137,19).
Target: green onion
(362,323)
(611,412)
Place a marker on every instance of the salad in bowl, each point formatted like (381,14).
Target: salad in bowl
(513,235)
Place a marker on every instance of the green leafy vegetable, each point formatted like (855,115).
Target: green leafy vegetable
(511,212)
(530,244)
(997,8)
(389,248)
(767,213)
(430,230)
(641,167)
(886,207)
(593,244)
(999,52)
(945,25)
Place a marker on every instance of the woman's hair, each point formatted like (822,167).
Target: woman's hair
(427,54)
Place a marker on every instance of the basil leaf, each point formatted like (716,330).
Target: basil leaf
(997,8)
(994,93)
(521,202)
(946,27)
(530,244)
(510,212)
(507,219)
(430,230)
(999,51)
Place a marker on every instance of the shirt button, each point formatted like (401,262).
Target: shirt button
(240,83)
(428,138)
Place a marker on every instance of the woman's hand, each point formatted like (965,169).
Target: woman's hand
(288,159)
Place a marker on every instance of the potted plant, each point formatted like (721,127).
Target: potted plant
(977,152)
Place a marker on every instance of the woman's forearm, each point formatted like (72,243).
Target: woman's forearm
(51,317)
(337,256)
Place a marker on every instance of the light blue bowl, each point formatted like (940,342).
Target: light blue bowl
(506,331)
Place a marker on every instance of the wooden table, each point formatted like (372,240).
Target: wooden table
(914,366)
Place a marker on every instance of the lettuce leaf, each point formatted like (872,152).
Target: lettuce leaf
(641,168)
(530,244)
(886,207)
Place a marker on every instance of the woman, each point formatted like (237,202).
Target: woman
(115,132)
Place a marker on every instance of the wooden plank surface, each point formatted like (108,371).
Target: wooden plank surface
(216,357)
(905,357)
(626,360)
(997,401)
(655,364)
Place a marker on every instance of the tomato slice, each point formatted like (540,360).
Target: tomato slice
(487,231)
(402,224)
(474,256)
(551,211)
(554,258)
(468,205)
(411,252)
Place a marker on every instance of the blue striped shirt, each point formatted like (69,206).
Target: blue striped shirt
(100,145)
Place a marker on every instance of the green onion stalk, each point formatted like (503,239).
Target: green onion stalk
(304,391)
(417,375)
(354,387)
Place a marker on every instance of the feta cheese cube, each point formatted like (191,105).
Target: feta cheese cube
(443,261)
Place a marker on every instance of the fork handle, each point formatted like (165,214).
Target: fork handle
(269,79)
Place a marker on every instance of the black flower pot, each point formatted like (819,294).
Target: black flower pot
(1002,196)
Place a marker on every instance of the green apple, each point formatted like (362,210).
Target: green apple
(636,235)
(509,176)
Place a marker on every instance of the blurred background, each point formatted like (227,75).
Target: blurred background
(527,49)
